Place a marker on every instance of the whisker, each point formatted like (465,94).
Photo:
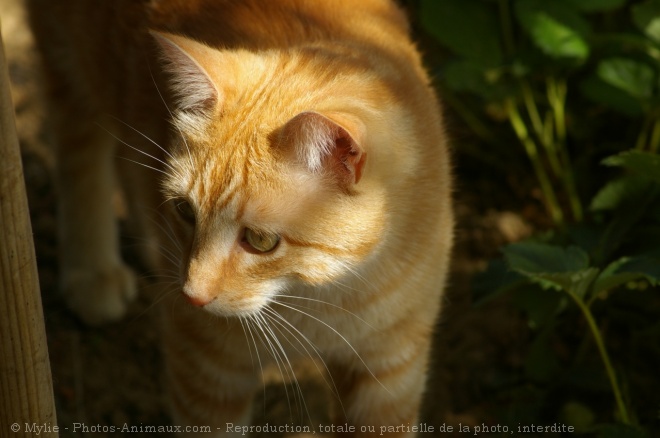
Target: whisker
(192,164)
(346,287)
(144,165)
(169,232)
(248,344)
(278,319)
(357,275)
(245,323)
(341,336)
(325,303)
(170,255)
(248,322)
(302,404)
(164,251)
(274,316)
(173,289)
(274,354)
(259,318)
(142,134)
(169,166)
(155,276)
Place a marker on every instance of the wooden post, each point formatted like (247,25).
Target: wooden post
(27,406)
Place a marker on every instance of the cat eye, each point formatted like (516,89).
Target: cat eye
(185,210)
(260,241)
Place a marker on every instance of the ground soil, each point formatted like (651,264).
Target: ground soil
(112,375)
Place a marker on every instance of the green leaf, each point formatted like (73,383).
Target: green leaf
(615,280)
(555,27)
(596,5)
(465,75)
(552,266)
(646,17)
(601,92)
(468,27)
(577,283)
(537,258)
(633,204)
(615,275)
(635,78)
(644,163)
(618,229)
(649,267)
(616,192)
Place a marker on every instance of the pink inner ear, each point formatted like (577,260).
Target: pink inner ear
(346,152)
(322,143)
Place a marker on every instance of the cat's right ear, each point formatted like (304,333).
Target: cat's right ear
(184,61)
(327,143)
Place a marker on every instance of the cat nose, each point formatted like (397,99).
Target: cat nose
(197,301)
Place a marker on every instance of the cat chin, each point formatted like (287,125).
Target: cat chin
(235,311)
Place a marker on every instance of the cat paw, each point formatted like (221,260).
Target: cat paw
(101,295)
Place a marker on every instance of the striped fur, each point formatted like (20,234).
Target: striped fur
(308,121)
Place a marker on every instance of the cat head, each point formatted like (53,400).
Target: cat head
(271,179)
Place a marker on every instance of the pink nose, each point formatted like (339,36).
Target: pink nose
(197,301)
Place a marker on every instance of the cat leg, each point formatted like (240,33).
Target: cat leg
(210,375)
(96,284)
(385,399)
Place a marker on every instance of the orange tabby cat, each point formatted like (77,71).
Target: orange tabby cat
(300,189)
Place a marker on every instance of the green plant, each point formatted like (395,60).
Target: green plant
(576,84)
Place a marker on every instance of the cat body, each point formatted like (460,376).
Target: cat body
(298,190)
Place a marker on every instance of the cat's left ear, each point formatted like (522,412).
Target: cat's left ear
(184,60)
(329,143)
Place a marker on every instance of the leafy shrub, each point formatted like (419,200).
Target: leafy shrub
(573,86)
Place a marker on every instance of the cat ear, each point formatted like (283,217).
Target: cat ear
(329,144)
(193,88)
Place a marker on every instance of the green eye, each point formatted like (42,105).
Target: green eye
(261,242)
(185,210)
